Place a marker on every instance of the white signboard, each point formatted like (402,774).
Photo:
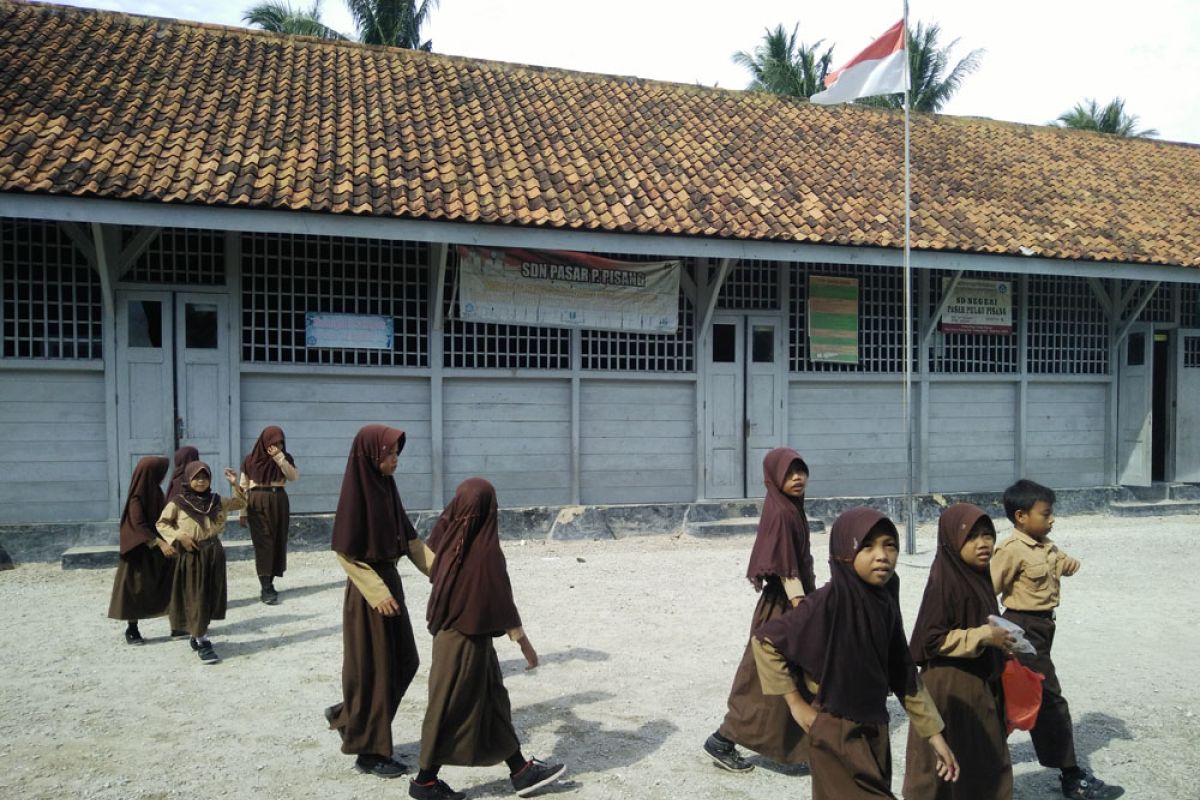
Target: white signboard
(565,289)
(978,307)
(348,331)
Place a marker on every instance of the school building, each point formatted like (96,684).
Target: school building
(180,204)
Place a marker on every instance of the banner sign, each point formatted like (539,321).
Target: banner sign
(832,319)
(348,331)
(569,290)
(978,307)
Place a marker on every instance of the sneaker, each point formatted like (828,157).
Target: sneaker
(725,755)
(534,775)
(194,643)
(437,790)
(270,596)
(133,636)
(379,766)
(207,654)
(1086,786)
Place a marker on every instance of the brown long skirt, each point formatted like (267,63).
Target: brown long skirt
(142,585)
(468,721)
(849,760)
(379,661)
(269,512)
(975,731)
(198,592)
(756,721)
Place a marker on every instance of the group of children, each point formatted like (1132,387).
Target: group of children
(172,561)
(813,682)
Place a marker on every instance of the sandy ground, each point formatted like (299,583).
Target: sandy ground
(639,640)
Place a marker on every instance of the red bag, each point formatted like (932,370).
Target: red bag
(1022,695)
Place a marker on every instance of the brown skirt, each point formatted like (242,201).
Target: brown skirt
(756,721)
(379,661)
(976,734)
(142,585)
(268,512)
(849,760)
(198,591)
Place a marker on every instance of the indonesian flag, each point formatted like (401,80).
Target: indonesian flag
(880,69)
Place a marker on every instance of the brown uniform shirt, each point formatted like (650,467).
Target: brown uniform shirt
(1026,572)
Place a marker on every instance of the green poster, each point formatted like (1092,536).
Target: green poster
(832,319)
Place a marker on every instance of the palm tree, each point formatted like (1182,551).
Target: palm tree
(932,85)
(396,23)
(279,16)
(1088,116)
(781,66)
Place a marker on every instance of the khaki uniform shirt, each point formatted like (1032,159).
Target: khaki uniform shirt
(290,473)
(173,521)
(1026,572)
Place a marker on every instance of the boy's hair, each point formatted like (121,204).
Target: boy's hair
(1022,495)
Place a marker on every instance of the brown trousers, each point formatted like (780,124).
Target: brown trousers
(849,760)
(1054,734)
(379,661)
(756,721)
(268,513)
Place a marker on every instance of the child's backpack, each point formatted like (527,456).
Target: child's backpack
(1022,695)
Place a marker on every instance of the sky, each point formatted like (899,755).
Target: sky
(1040,57)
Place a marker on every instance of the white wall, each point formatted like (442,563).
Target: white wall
(1066,423)
(972,436)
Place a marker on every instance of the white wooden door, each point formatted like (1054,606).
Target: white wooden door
(1187,406)
(724,409)
(145,369)
(202,410)
(765,387)
(1135,379)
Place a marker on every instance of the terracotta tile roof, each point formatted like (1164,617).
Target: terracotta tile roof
(98,104)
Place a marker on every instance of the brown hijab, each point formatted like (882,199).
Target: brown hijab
(782,545)
(259,466)
(471,592)
(848,635)
(198,505)
(956,595)
(183,457)
(370,523)
(144,503)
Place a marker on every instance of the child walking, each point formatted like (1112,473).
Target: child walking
(468,721)
(1026,571)
(846,640)
(142,586)
(265,471)
(961,656)
(195,520)
(371,531)
(781,571)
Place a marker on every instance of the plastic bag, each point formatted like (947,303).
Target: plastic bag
(1022,695)
(1021,644)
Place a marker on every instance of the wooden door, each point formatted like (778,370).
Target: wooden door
(202,400)
(1187,406)
(1135,374)
(765,389)
(145,369)
(724,409)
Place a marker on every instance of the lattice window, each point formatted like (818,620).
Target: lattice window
(880,318)
(644,352)
(1190,297)
(751,286)
(285,276)
(1068,330)
(974,353)
(179,255)
(1191,352)
(51,296)
(1159,309)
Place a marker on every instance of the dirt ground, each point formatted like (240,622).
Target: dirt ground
(639,639)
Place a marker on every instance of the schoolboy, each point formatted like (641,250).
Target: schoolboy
(1026,570)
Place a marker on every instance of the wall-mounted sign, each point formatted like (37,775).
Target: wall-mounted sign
(978,307)
(832,319)
(348,331)
(565,289)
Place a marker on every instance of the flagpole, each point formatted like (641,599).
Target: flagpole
(910,543)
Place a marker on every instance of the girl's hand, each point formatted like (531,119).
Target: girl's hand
(188,542)
(795,601)
(166,549)
(272,450)
(531,656)
(388,607)
(230,476)
(804,714)
(947,764)
(1000,639)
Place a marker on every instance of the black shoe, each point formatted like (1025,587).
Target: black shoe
(177,634)
(1085,786)
(207,654)
(194,643)
(725,755)
(534,775)
(437,790)
(133,636)
(379,766)
(270,596)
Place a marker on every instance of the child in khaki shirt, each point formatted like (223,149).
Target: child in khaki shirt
(1026,571)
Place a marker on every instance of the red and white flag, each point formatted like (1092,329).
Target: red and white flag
(880,69)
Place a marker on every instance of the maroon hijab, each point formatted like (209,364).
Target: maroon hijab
(848,635)
(259,466)
(782,545)
(471,592)
(370,523)
(956,595)
(183,457)
(198,505)
(144,503)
